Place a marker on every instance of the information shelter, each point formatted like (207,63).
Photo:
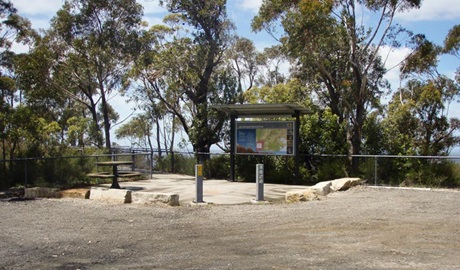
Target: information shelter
(264,137)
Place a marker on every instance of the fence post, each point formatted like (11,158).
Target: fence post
(25,173)
(97,161)
(133,159)
(151,163)
(376,170)
(172,162)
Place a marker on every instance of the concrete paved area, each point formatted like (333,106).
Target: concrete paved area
(214,191)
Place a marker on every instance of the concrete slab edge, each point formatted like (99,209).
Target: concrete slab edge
(402,188)
(254,201)
(200,203)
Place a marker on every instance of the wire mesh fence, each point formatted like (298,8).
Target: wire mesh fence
(383,170)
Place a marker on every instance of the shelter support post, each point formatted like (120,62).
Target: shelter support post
(296,149)
(232,147)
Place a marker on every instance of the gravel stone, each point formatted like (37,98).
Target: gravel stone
(362,228)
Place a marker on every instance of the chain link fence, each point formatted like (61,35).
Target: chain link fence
(380,170)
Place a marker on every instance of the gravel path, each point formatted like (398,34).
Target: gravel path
(362,228)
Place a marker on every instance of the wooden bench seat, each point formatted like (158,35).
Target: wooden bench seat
(100,175)
(109,175)
(129,174)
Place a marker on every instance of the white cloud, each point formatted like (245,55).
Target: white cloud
(251,5)
(393,58)
(37,7)
(432,10)
(20,48)
(40,12)
(151,6)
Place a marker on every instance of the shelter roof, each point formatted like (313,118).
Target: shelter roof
(263,110)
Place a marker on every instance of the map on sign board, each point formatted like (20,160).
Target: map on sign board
(266,138)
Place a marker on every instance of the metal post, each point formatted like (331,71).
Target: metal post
(151,164)
(199,183)
(296,179)
(375,170)
(260,182)
(232,148)
(97,168)
(173,169)
(133,159)
(25,173)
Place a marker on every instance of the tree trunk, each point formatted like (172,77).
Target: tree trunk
(158,137)
(173,128)
(357,136)
(95,126)
(202,151)
(105,115)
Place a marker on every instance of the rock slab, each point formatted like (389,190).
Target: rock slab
(343,184)
(79,193)
(110,195)
(321,189)
(41,192)
(155,198)
(303,195)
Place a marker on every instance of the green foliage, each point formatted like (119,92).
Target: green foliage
(176,163)
(330,168)
(62,172)
(217,167)
(432,173)
(277,169)
(452,41)
(336,55)
(194,61)
(137,130)
(184,68)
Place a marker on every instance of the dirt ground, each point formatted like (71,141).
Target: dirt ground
(363,228)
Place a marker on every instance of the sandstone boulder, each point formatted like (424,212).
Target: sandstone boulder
(322,188)
(41,192)
(302,195)
(155,198)
(110,195)
(344,183)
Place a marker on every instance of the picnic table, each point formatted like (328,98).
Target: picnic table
(116,173)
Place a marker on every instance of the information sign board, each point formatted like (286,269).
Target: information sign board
(265,138)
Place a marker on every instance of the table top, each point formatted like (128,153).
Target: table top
(115,162)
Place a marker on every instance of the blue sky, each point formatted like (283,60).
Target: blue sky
(434,19)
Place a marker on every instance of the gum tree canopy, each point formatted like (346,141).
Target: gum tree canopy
(186,68)
(336,54)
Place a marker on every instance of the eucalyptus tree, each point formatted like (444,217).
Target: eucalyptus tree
(337,54)
(452,46)
(418,119)
(13,29)
(138,130)
(244,61)
(184,68)
(271,62)
(92,44)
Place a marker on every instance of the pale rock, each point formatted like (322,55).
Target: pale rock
(302,195)
(344,183)
(155,198)
(41,192)
(322,188)
(110,195)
